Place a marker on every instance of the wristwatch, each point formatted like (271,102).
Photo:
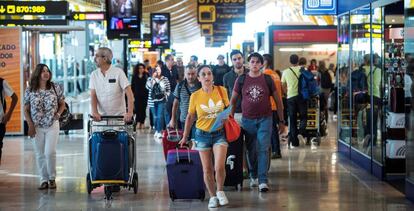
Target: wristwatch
(282,121)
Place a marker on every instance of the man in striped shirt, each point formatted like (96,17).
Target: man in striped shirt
(182,95)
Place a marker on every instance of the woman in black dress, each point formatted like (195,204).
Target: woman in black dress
(139,78)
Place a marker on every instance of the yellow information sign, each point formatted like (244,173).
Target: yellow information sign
(206,29)
(207,14)
(221,11)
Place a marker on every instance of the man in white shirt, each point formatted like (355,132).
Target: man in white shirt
(108,85)
(5,114)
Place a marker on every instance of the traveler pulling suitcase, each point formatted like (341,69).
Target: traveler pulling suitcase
(112,160)
(234,165)
(170,139)
(185,174)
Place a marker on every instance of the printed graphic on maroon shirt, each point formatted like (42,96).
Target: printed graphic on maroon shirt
(255,93)
(255,97)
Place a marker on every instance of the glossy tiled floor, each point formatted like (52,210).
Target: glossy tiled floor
(306,178)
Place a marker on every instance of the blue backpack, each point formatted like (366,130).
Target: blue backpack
(307,87)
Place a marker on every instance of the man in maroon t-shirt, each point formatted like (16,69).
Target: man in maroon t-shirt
(257,117)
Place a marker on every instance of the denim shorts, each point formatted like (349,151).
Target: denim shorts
(206,140)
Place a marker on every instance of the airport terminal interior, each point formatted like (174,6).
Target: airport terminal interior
(358,151)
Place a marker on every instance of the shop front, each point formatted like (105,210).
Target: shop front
(374,87)
(308,41)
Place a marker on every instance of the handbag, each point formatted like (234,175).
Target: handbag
(231,127)
(66,116)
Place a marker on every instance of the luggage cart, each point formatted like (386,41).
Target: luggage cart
(316,123)
(108,142)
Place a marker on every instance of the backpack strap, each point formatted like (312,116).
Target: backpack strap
(294,73)
(180,86)
(268,79)
(269,82)
(186,88)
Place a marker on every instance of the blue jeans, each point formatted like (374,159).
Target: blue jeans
(168,108)
(260,131)
(158,112)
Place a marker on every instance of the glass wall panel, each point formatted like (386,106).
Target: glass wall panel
(408,88)
(376,86)
(344,114)
(360,67)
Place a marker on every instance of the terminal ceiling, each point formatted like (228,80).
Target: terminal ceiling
(184,26)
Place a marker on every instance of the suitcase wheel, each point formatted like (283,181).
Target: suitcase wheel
(202,195)
(316,140)
(108,192)
(172,195)
(88,184)
(239,187)
(135,182)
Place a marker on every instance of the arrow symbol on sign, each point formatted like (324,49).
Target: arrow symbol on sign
(2,10)
(75,17)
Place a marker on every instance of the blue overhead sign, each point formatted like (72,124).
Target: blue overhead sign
(319,7)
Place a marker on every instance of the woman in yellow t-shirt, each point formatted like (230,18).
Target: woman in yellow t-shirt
(205,105)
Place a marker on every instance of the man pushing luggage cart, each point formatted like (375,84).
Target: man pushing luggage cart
(110,162)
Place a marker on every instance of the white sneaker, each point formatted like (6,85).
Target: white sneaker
(222,198)
(301,139)
(213,202)
(263,187)
(253,182)
(334,118)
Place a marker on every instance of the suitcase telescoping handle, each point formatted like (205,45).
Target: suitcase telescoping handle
(177,147)
(170,130)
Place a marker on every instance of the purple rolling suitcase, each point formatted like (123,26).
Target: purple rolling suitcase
(185,174)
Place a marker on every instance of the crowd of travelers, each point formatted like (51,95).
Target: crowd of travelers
(264,101)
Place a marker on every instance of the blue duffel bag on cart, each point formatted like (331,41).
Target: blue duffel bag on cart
(109,156)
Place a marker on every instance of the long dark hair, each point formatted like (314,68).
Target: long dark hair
(135,73)
(268,58)
(35,78)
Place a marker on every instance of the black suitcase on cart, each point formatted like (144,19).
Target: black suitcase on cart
(234,165)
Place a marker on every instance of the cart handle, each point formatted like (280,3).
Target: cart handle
(108,117)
